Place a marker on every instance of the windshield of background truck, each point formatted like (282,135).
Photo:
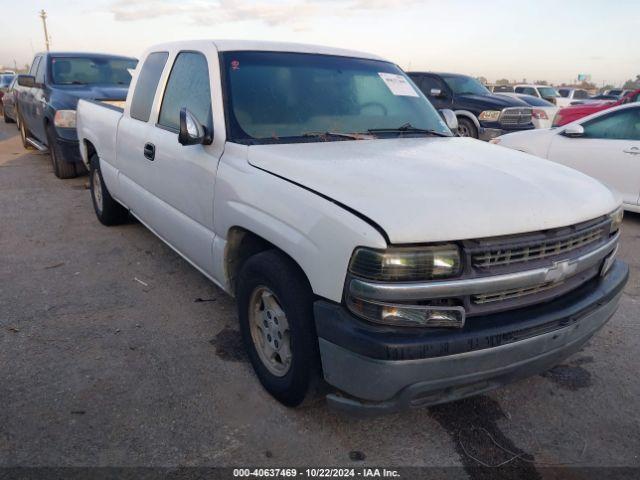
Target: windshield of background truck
(281,97)
(462,85)
(90,71)
(548,92)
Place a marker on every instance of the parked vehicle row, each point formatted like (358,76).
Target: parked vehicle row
(481,113)
(542,112)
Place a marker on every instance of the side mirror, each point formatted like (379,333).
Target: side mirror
(450,119)
(574,131)
(26,81)
(192,132)
(436,92)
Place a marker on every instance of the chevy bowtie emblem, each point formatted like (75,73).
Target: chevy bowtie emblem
(560,270)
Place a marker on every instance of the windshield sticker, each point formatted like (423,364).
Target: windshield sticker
(398,85)
(235,65)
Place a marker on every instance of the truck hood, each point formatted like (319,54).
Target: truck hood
(68,96)
(440,189)
(485,102)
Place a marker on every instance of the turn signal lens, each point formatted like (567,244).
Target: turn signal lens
(406,264)
(408,315)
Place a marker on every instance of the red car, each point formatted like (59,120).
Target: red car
(574,112)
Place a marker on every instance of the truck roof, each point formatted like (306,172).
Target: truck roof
(84,54)
(239,45)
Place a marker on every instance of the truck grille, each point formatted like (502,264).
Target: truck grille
(515,253)
(537,250)
(513,293)
(515,116)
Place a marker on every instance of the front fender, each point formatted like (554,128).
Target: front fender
(317,234)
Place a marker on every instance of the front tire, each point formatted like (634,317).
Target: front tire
(466,128)
(108,211)
(275,306)
(61,168)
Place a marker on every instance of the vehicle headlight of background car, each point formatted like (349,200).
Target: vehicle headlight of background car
(65,119)
(490,116)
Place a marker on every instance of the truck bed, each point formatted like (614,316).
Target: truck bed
(97,126)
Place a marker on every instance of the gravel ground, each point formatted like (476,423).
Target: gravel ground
(116,352)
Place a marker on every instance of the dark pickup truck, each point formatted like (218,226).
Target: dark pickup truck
(481,114)
(46,101)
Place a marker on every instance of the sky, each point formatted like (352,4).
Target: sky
(526,39)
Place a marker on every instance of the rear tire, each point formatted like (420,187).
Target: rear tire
(61,168)
(108,211)
(271,287)
(24,133)
(466,128)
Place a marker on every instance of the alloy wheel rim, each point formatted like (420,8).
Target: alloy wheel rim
(97,191)
(270,331)
(463,131)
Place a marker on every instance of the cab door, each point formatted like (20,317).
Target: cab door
(182,178)
(609,150)
(26,97)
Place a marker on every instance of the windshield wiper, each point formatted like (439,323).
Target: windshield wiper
(408,128)
(352,136)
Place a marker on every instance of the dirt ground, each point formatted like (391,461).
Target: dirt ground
(114,351)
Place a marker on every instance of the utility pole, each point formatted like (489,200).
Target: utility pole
(43,16)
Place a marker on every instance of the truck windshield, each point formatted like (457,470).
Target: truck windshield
(91,70)
(278,97)
(461,85)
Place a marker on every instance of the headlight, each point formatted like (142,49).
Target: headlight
(406,264)
(490,115)
(65,119)
(616,220)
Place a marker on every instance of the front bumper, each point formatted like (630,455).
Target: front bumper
(490,130)
(68,145)
(382,369)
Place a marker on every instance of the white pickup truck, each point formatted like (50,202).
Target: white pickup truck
(365,244)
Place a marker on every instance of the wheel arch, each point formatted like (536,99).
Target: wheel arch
(241,245)
(469,115)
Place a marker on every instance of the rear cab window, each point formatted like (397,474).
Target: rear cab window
(145,89)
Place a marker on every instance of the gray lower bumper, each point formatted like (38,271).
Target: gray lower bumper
(379,386)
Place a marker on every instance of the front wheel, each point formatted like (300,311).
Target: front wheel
(466,128)
(275,306)
(108,211)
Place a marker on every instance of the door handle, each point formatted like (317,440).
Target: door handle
(150,151)
(633,151)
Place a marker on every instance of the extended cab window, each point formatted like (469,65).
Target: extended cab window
(580,94)
(281,97)
(146,86)
(620,125)
(189,87)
